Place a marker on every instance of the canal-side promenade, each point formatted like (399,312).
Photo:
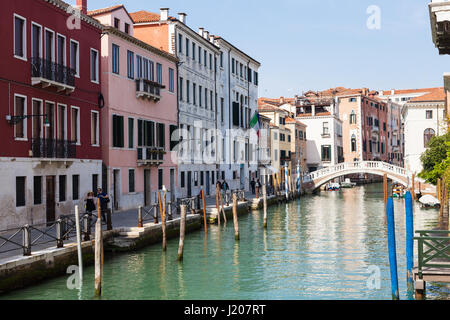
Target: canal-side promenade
(18,271)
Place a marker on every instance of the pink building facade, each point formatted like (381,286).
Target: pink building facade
(139,87)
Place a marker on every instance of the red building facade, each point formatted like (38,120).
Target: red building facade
(50,94)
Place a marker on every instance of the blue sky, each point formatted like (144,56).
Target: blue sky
(313,45)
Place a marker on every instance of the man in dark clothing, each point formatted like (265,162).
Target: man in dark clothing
(225,191)
(104,199)
(252,184)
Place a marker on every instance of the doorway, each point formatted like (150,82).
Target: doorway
(50,199)
(116,188)
(208,186)
(189,184)
(147,189)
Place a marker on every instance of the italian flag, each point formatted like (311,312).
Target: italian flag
(254,123)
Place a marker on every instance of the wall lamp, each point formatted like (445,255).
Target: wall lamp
(14,120)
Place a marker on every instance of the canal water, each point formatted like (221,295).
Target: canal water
(327,246)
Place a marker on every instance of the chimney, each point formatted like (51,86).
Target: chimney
(164,12)
(182,17)
(82,5)
(206,35)
(211,38)
(200,31)
(282,100)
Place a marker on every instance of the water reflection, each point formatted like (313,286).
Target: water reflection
(318,248)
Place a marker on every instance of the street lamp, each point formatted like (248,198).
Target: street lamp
(14,120)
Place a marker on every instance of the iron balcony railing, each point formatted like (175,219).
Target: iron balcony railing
(148,89)
(155,154)
(41,68)
(53,149)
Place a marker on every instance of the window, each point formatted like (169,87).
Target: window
(127,28)
(159,78)
(210,61)
(180,43)
(116,23)
(194,94)
(94,128)
(36,43)
(171,80)
(353,117)
(326,153)
(20,191)
(232,66)
(37,121)
(118,131)
(202,178)
(211,99)
(256,78)
(62,188)
(50,112)
(49,45)
(187,47)
(428,135)
(62,122)
(199,54)
(75,187)
(222,102)
(204,58)
(182,179)
(61,50)
(221,59)
(188,89)
(200,95)
(131,184)
(160,179)
(130,64)
(326,129)
(115,59)
(75,57)
(94,66)
(130,133)
(353,143)
(206,98)
(20,129)
(152,70)
(161,135)
(180,89)
(95,183)
(352,99)
(173,137)
(75,125)
(20,37)
(139,67)
(193,51)
(429,114)
(37,190)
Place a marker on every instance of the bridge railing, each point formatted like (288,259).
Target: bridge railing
(355,166)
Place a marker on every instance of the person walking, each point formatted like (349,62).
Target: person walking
(252,185)
(225,190)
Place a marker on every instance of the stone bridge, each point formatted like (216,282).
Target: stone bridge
(315,180)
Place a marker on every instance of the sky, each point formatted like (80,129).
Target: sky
(315,45)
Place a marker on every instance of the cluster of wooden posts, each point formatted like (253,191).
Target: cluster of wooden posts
(442,195)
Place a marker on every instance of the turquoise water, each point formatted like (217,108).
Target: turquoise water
(320,247)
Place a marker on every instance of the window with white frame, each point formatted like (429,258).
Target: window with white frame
(20,37)
(159,77)
(75,57)
(49,45)
(61,50)
(94,66)
(62,122)
(20,110)
(36,41)
(37,121)
(115,59)
(75,125)
(171,80)
(94,128)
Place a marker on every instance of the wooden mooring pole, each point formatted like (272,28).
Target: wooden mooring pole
(392,248)
(182,231)
(204,212)
(409,237)
(98,253)
(235,217)
(163,223)
(217,204)
(265,204)
(222,208)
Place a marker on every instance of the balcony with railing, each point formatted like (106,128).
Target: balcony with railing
(53,149)
(148,89)
(50,74)
(150,156)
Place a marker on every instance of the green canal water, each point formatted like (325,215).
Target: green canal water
(321,247)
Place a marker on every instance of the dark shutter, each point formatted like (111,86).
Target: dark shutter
(75,187)
(174,137)
(236,114)
(20,191)
(62,188)
(37,190)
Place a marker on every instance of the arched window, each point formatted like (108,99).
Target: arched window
(353,143)
(428,134)
(353,117)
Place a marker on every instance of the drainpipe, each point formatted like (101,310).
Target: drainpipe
(177,83)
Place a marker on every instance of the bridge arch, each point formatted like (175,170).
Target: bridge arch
(315,180)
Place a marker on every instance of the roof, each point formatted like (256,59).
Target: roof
(237,49)
(67,9)
(436,95)
(147,16)
(109,10)
(291,120)
(407,91)
(270,108)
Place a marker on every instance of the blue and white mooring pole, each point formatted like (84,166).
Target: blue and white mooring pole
(409,236)
(392,248)
(298,178)
(286,181)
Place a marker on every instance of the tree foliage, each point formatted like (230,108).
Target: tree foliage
(436,159)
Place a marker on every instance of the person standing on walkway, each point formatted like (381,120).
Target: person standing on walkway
(252,185)
(225,190)
(258,188)
(104,199)
(90,205)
